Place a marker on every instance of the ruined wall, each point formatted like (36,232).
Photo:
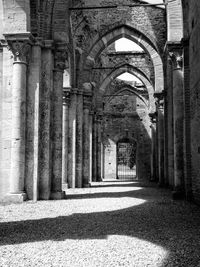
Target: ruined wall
(194,28)
(125,116)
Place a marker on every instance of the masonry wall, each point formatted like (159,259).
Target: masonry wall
(126,117)
(5,120)
(194,28)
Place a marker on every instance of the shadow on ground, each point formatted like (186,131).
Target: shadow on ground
(175,226)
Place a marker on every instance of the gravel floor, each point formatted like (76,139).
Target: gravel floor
(110,224)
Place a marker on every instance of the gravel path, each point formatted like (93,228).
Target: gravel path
(110,224)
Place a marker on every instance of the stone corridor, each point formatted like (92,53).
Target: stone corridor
(110,224)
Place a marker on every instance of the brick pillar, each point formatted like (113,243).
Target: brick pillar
(72,139)
(160,130)
(65,133)
(57,112)
(86,140)
(79,140)
(153,117)
(45,121)
(175,52)
(32,124)
(20,47)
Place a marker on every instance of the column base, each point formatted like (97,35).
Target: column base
(57,195)
(65,187)
(87,185)
(16,197)
(177,195)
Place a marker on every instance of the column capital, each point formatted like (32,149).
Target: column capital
(153,117)
(175,52)
(159,98)
(66,96)
(61,56)
(48,44)
(74,91)
(20,45)
(79,91)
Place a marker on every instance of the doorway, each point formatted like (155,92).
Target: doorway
(126,160)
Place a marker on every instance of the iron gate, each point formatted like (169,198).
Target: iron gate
(126,160)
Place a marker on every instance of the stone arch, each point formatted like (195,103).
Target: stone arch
(135,36)
(174,20)
(134,71)
(130,89)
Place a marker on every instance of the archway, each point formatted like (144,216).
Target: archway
(126,159)
(130,33)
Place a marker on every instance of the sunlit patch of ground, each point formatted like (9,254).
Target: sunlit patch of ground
(111,224)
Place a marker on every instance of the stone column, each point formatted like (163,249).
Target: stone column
(91,114)
(170,131)
(57,111)
(32,125)
(99,154)
(94,149)
(153,117)
(20,47)
(160,129)
(65,138)
(187,121)
(86,140)
(72,139)
(175,52)
(79,140)
(45,158)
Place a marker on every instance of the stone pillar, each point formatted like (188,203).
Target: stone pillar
(94,149)
(91,114)
(86,140)
(79,140)
(20,47)
(65,132)
(175,52)
(170,131)
(153,117)
(187,121)
(72,139)
(45,121)
(99,154)
(160,129)
(32,125)
(57,111)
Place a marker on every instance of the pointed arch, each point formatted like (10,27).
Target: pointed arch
(132,90)
(135,36)
(134,71)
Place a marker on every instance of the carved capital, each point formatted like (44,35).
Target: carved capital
(66,96)
(177,59)
(159,99)
(20,45)
(20,49)
(175,52)
(153,117)
(61,56)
